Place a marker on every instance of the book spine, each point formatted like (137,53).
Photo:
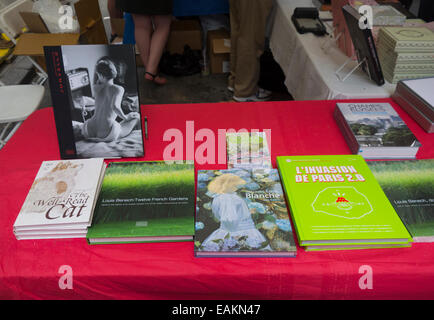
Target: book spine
(61,99)
(143,131)
(417,101)
(417,116)
(346,131)
(290,205)
(375,66)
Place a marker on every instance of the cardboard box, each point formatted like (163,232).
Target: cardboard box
(91,31)
(219,49)
(34,22)
(184,32)
(89,18)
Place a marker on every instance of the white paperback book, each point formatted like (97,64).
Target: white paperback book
(62,197)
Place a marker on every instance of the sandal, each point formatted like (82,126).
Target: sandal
(155,78)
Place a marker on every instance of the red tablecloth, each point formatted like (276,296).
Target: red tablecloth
(30,269)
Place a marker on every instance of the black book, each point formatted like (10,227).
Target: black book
(364,45)
(95,100)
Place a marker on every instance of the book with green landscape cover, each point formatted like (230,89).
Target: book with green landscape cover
(409,185)
(145,202)
(336,201)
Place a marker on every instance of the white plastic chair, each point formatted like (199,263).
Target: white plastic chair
(17,103)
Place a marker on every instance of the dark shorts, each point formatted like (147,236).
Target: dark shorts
(148,7)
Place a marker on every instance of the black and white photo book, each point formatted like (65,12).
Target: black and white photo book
(95,100)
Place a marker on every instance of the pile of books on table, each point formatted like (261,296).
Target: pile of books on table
(336,203)
(417,98)
(61,201)
(406,52)
(375,131)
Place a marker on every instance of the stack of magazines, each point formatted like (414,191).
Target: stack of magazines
(417,98)
(406,52)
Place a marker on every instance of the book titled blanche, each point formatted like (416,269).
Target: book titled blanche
(242,213)
(336,203)
(61,200)
(376,131)
(409,185)
(95,100)
(145,202)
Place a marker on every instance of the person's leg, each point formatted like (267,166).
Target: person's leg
(235,32)
(250,45)
(127,126)
(158,42)
(114,13)
(143,34)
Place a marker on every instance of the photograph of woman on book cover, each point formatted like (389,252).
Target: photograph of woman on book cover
(105,106)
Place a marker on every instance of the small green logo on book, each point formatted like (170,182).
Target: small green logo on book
(343,202)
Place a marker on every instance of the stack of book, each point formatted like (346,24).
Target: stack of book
(144,201)
(336,203)
(417,98)
(375,131)
(61,200)
(406,53)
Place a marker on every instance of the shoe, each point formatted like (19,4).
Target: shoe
(231,89)
(155,78)
(261,95)
(113,37)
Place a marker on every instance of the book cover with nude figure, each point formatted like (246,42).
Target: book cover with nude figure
(95,100)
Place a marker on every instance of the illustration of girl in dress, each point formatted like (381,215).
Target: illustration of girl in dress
(234,215)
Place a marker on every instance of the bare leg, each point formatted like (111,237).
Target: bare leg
(158,42)
(127,126)
(143,32)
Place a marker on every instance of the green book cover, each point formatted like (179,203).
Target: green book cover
(145,202)
(409,185)
(242,212)
(357,247)
(335,200)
